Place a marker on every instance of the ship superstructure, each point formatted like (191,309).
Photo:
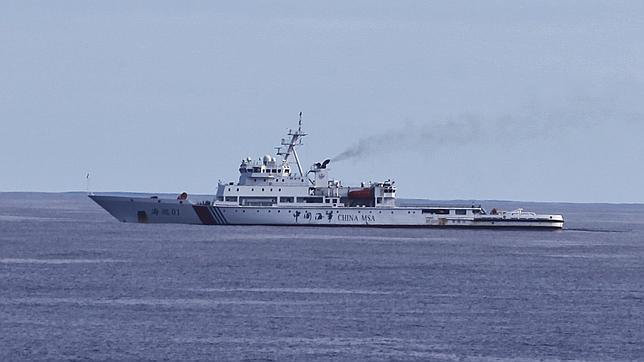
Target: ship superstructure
(275,190)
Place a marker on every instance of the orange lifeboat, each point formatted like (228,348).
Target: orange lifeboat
(365,193)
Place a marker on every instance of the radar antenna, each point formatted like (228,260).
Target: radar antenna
(291,144)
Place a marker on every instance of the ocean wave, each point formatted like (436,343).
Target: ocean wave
(58,261)
(292,290)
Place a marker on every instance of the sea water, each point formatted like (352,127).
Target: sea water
(77,284)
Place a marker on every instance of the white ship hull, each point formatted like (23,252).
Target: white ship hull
(151,210)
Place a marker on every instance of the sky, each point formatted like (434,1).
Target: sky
(514,100)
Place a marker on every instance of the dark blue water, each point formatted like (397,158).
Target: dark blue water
(75,283)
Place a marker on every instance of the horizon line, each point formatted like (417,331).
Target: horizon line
(402,198)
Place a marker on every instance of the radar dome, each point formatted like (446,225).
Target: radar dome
(268,158)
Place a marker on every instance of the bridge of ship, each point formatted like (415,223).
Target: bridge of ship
(270,182)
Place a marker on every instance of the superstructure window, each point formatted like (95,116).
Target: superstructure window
(310,200)
(231,198)
(436,211)
(460,212)
(257,201)
(287,199)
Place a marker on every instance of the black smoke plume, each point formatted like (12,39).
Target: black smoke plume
(474,129)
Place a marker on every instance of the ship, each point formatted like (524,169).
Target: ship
(276,190)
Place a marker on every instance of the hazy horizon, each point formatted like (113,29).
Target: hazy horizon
(502,100)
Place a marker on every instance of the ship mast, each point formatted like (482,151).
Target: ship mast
(296,140)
